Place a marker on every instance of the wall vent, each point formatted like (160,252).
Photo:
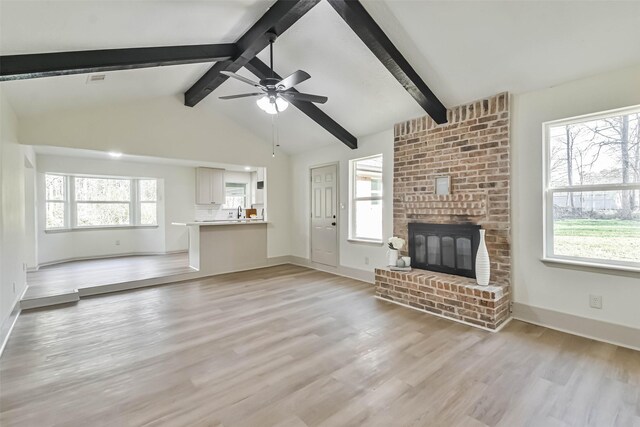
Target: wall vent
(96,78)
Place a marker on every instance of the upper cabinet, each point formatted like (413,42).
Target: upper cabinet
(210,186)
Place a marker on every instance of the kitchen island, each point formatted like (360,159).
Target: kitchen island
(224,246)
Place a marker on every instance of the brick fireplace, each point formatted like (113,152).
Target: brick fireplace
(473,150)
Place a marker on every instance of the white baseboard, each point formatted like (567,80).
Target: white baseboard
(7,325)
(352,273)
(278,260)
(88,258)
(612,333)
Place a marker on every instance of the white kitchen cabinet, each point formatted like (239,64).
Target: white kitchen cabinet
(210,186)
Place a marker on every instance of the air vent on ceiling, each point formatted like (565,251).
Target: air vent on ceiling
(96,78)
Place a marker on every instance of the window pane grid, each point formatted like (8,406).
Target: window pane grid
(593,190)
(235,195)
(87,202)
(55,201)
(366,199)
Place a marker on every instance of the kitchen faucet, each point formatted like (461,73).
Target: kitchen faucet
(239,212)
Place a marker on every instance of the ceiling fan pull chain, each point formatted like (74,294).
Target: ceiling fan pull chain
(273,137)
(277,127)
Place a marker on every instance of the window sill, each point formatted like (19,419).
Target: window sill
(366,242)
(591,265)
(117,227)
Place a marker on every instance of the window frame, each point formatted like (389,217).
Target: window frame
(237,185)
(140,202)
(71,203)
(548,192)
(353,199)
(64,202)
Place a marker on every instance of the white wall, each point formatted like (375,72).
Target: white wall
(31,212)
(176,204)
(12,211)
(351,254)
(164,127)
(554,287)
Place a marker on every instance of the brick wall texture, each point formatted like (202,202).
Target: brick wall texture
(454,297)
(473,149)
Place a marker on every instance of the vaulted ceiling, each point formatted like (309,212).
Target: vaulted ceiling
(462,50)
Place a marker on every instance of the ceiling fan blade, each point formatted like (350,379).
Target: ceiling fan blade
(239,77)
(297,96)
(292,80)
(244,95)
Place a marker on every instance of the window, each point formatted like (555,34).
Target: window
(235,195)
(56,201)
(102,202)
(366,199)
(99,202)
(592,189)
(148,193)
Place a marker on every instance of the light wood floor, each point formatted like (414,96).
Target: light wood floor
(287,346)
(66,277)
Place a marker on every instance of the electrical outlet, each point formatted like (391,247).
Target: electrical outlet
(117,242)
(366,260)
(595,301)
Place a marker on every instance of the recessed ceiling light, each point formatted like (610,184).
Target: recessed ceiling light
(115,154)
(247,168)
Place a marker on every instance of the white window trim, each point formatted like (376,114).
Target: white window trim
(352,201)
(64,201)
(548,192)
(70,209)
(246,195)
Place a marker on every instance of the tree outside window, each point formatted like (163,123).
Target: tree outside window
(235,195)
(90,202)
(593,188)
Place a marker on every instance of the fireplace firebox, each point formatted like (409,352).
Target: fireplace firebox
(446,248)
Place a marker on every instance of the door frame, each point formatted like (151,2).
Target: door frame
(310,184)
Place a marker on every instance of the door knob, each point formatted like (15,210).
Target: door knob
(333,223)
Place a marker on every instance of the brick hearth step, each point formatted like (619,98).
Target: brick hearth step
(454,297)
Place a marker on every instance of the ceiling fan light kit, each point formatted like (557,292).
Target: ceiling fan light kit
(276,93)
(272,105)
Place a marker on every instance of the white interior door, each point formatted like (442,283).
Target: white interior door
(324,232)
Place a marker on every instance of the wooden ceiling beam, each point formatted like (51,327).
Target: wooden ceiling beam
(31,66)
(366,28)
(282,15)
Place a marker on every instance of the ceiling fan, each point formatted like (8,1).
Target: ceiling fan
(275,94)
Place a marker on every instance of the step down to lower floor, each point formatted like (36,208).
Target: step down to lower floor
(49,300)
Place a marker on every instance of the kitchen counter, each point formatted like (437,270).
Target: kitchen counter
(222,222)
(217,247)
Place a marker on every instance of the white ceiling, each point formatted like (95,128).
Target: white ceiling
(30,26)
(464,50)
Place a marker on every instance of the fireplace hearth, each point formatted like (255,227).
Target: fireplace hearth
(446,248)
